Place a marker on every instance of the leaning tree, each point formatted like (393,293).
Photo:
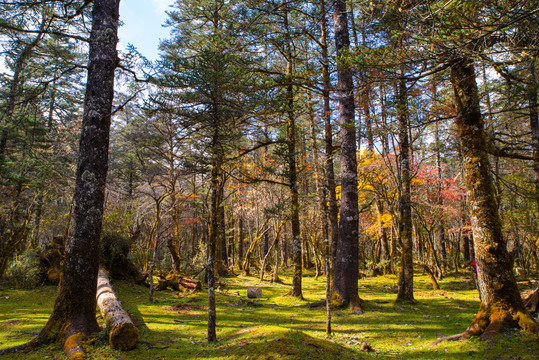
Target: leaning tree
(74,315)
(501,304)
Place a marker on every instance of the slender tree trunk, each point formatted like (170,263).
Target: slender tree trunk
(172,245)
(534,125)
(212,245)
(501,304)
(273,245)
(441,229)
(292,171)
(275,275)
(346,266)
(406,279)
(39,204)
(321,191)
(155,253)
(240,242)
(222,228)
(332,208)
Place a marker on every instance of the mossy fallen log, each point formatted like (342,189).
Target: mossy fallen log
(123,334)
(178,283)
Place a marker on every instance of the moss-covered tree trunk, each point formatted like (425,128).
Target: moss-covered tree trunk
(406,278)
(346,266)
(73,318)
(501,304)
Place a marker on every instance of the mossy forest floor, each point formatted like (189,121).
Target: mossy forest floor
(279,326)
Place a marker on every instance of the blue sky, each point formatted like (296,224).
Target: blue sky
(143,20)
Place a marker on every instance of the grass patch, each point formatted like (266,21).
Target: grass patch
(279,326)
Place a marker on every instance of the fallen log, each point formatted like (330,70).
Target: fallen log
(123,334)
(178,283)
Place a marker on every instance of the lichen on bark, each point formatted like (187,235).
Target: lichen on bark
(73,318)
(501,304)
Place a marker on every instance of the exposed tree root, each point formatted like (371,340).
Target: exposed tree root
(32,344)
(292,293)
(355,305)
(489,322)
(428,270)
(405,301)
(72,346)
(318,304)
(70,335)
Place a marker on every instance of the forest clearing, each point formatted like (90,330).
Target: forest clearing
(379,159)
(280,327)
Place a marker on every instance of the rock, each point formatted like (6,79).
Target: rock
(254,292)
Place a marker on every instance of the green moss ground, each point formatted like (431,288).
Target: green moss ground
(279,326)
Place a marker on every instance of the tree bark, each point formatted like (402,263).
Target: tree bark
(212,245)
(268,252)
(222,230)
(406,278)
(73,317)
(292,171)
(123,334)
(501,304)
(346,266)
(332,208)
(534,125)
(172,245)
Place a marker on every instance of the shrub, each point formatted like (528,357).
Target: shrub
(23,271)
(114,256)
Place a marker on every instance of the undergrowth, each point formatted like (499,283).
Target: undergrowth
(278,326)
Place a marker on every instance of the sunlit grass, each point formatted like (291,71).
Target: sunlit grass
(280,326)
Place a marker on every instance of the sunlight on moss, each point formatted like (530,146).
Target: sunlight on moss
(279,326)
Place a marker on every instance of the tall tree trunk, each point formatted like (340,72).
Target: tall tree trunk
(39,203)
(73,316)
(274,243)
(346,266)
(321,191)
(275,275)
(534,125)
(292,171)
(332,208)
(222,228)
(501,304)
(240,242)
(441,227)
(212,244)
(406,278)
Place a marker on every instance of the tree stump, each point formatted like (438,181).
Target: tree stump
(123,333)
(531,300)
(254,292)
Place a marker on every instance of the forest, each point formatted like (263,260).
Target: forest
(289,179)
